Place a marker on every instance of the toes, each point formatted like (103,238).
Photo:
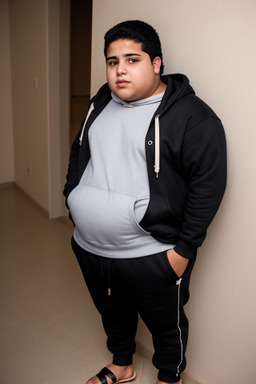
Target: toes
(90,381)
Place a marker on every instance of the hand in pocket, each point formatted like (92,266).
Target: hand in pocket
(177,262)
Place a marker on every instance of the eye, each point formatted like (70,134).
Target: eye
(133,61)
(112,63)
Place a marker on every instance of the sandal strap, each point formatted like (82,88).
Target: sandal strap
(106,372)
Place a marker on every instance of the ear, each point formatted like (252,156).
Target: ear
(157,65)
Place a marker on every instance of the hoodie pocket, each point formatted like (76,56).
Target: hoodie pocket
(106,218)
(138,211)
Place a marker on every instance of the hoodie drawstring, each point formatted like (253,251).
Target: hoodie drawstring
(87,117)
(157,146)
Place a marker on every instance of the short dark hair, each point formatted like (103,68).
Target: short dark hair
(140,32)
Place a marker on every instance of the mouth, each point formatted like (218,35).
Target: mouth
(122,83)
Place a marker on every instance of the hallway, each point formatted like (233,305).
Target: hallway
(50,332)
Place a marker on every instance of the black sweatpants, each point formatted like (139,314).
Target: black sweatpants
(123,288)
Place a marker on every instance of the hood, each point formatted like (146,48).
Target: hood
(178,86)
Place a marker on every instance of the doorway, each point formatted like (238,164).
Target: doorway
(80,62)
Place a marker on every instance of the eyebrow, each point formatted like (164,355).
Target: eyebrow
(124,55)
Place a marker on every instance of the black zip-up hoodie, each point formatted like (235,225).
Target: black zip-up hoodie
(186,162)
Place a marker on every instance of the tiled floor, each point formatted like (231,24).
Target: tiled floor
(50,332)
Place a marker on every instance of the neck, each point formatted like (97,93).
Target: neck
(160,88)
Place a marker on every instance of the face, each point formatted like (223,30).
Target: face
(130,73)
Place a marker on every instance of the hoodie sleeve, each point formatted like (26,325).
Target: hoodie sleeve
(79,147)
(205,164)
(72,174)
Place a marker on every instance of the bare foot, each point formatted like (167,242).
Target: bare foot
(121,372)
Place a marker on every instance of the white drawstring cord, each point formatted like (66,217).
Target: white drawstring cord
(87,117)
(157,146)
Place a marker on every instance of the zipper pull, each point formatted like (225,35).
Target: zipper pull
(178,282)
(109,292)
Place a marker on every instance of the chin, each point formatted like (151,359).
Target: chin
(124,96)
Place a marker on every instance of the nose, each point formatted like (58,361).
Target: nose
(121,69)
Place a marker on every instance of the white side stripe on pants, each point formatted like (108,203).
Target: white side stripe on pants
(178,282)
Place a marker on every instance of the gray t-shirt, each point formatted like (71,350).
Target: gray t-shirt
(113,193)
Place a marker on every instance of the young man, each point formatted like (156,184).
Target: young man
(146,176)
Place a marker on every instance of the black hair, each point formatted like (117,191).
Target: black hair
(140,32)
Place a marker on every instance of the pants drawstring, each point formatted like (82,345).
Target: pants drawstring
(109,277)
(106,265)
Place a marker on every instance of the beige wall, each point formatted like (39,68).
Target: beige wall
(30,118)
(6,129)
(213,42)
(58,101)
(34,98)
